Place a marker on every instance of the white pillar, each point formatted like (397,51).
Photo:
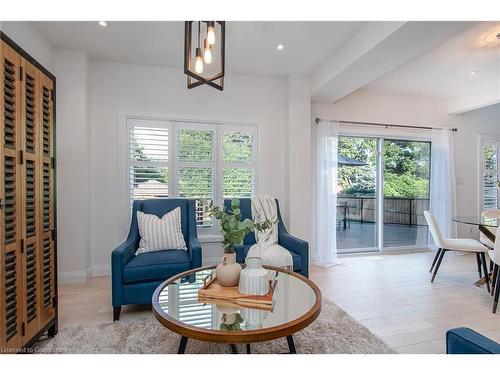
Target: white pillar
(298,156)
(71,69)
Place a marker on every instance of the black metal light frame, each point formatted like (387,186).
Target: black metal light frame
(193,78)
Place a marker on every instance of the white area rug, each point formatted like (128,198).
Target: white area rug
(334,332)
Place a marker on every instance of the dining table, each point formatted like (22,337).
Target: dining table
(486,225)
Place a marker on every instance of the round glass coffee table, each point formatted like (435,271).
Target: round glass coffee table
(297,303)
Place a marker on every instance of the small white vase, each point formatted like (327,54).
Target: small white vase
(254,279)
(253,318)
(228,271)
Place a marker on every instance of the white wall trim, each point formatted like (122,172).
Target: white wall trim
(73,277)
(210,238)
(211,261)
(100,270)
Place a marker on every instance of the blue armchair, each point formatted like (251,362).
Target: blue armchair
(298,248)
(466,341)
(135,278)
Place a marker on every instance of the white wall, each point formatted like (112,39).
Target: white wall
(122,88)
(298,156)
(73,164)
(380,107)
(29,39)
(470,124)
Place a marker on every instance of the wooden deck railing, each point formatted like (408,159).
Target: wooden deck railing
(397,210)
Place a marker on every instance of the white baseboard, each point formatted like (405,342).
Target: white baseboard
(101,270)
(211,261)
(79,277)
(73,277)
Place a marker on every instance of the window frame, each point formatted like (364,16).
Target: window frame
(483,140)
(173,124)
(381,134)
(223,165)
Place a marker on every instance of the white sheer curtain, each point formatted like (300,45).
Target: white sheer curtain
(442,194)
(325,253)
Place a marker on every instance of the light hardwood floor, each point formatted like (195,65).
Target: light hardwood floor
(389,294)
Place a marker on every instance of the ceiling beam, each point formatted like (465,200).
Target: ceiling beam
(377,49)
(481,97)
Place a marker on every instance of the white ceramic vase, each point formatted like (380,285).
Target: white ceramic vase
(228,271)
(254,279)
(253,318)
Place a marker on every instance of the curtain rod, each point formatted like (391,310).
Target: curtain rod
(317,120)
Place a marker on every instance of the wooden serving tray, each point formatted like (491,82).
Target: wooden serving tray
(213,292)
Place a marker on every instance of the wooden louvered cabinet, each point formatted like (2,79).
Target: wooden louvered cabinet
(28,290)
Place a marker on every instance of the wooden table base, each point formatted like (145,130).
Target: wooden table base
(486,280)
(234,349)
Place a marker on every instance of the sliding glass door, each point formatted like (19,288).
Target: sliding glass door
(383,190)
(357,194)
(406,168)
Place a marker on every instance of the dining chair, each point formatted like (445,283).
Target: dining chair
(483,238)
(466,245)
(490,213)
(495,258)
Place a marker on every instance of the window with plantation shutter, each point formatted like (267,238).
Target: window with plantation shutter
(203,161)
(195,162)
(181,301)
(148,160)
(238,173)
(489,172)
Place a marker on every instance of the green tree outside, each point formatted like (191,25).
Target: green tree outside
(406,168)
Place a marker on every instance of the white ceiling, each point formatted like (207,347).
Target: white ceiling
(250,46)
(444,71)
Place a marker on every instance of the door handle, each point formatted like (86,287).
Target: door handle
(2,204)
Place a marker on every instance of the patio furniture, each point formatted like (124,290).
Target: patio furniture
(298,248)
(135,278)
(466,341)
(454,244)
(344,209)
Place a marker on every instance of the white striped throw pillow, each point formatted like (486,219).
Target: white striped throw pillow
(160,234)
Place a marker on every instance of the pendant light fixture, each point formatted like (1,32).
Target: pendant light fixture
(207,52)
(204,64)
(198,65)
(211,32)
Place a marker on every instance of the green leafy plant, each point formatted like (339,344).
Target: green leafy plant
(231,327)
(233,228)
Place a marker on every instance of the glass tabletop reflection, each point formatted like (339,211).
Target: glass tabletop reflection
(179,300)
(478,220)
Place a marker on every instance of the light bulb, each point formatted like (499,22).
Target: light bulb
(211,32)
(198,65)
(207,53)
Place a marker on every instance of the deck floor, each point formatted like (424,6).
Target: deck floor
(363,235)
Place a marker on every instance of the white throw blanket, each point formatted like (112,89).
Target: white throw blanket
(267,248)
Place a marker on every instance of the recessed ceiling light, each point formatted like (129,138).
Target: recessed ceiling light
(280,46)
(103,23)
(474,73)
